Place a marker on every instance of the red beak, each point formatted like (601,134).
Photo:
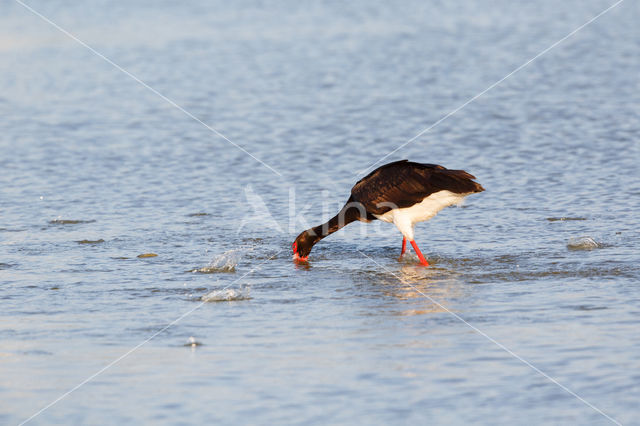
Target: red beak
(296,256)
(299,258)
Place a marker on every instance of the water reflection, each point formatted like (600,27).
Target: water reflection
(426,290)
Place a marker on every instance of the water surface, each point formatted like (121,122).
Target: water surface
(96,170)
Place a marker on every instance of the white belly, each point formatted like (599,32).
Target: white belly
(407,217)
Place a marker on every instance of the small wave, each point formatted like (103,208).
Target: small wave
(11,230)
(226,262)
(583,243)
(227,295)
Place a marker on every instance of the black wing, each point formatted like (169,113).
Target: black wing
(404,183)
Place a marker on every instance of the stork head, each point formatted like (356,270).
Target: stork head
(303,244)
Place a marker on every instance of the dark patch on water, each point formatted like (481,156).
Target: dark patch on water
(69,221)
(588,308)
(565,219)
(198,214)
(146,255)
(37,352)
(253,240)
(507,258)
(90,242)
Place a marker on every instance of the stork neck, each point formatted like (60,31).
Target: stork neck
(328,228)
(347,215)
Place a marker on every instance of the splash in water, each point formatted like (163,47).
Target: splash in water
(192,342)
(225,262)
(583,243)
(228,295)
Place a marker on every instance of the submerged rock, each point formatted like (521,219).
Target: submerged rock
(143,255)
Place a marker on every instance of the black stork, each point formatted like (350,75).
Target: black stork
(403,193)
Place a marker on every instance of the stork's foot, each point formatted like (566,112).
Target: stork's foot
(423,261)
(404,249)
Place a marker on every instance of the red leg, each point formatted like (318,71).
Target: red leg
(404,246)
(423,261)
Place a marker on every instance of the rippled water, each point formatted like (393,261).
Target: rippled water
(99,174)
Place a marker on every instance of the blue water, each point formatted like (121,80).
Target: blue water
(96,169)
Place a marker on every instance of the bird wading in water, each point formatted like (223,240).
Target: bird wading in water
(403,193)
